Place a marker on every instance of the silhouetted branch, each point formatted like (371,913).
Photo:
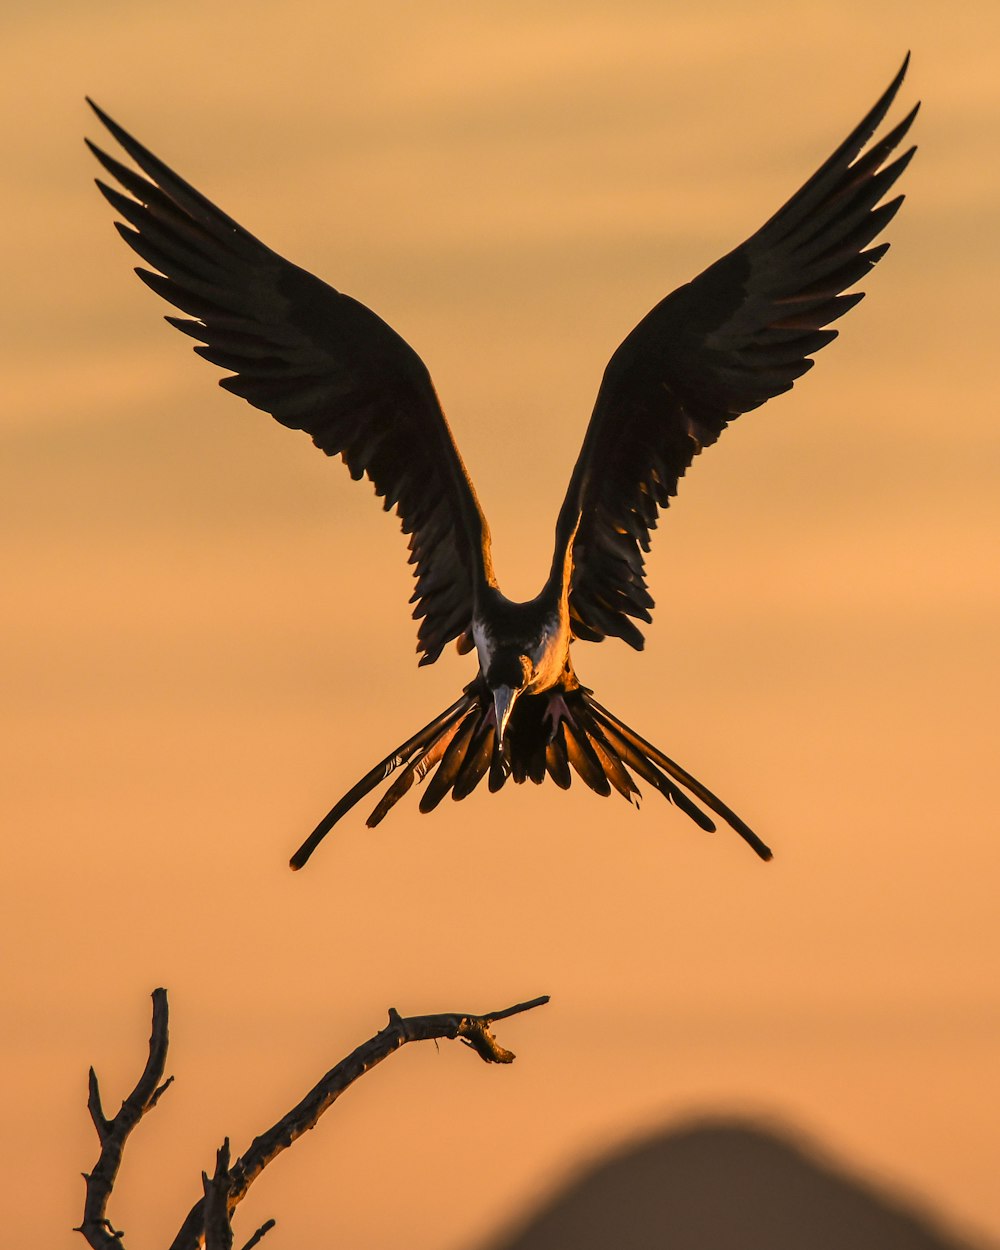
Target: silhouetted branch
(264,1229)
(113,1134)
(218,1229)
(218,1187)
(472,1029)
(209,1222)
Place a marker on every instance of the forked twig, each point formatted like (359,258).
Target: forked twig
(114,1133)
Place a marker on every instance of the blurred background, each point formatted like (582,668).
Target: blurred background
(206,638)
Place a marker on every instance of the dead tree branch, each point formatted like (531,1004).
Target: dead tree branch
(218,1228)
(264,1228)
(209,1222)
(113,1134)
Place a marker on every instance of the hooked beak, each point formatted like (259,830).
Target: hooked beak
(503,701)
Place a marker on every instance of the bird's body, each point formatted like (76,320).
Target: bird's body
(317,360)
(538,630)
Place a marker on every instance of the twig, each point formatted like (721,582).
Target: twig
(217,1187)
(264,1229)
(113,1134)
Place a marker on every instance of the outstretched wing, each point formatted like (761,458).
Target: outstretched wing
(740,333)
(318,361)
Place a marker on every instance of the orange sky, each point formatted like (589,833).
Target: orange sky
(194,595)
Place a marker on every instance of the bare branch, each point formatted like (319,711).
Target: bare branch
(113,1134)
(264,1229)
(475,1032)
(209,1222)
(472,1029)
(218,1229)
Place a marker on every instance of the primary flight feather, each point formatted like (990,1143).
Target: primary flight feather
(317,360)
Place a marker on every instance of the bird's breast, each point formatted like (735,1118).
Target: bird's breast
(486,643)
(523,630)
(549,656)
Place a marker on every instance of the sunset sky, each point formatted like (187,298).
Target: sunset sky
(207,640)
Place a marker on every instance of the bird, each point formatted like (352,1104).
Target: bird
(741,332)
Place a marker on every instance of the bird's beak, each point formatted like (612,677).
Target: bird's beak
(503,701)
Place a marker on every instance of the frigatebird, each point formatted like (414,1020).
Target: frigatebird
(317,360)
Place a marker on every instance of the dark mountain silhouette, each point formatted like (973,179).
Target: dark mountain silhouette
(724,1185)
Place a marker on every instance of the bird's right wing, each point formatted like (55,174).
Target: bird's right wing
(318,361)
(740,333)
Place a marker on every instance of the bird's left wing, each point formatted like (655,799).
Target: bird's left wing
(318,361)
(738,334)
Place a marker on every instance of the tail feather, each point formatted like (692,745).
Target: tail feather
(683,777)
(476,762)
(584,758)
(392,796)
(451,764)
(554,732)
(402,755)
(648,772)
(499,769)
(536,763)
(416,770)
(556,761)
(613,765)
(519,761)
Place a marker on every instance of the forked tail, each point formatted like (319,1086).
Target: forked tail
(548,733)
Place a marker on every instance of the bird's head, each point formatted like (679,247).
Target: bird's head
(507,676)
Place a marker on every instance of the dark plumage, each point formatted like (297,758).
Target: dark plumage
(741,332)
